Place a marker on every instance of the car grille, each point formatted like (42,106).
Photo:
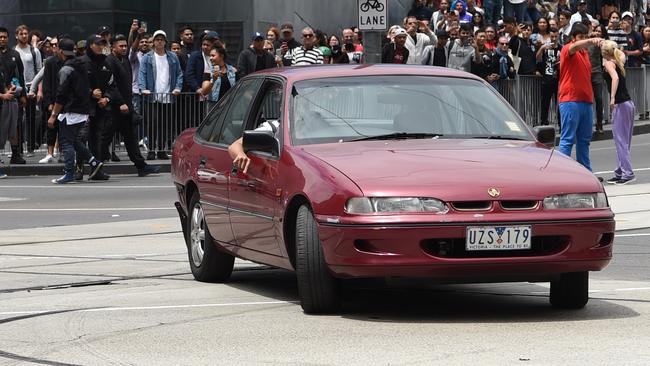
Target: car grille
(471,205)
(455,248)
(519,205)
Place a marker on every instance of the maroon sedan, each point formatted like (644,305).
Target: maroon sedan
(386,171)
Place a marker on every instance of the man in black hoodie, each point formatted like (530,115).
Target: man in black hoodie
(13,70)
(122,115)
(72,108)
(104,92)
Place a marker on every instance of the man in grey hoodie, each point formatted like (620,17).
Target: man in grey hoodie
(462,51)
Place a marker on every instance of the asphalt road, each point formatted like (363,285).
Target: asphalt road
(84,287)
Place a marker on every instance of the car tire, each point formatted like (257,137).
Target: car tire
(571,291)
(317,288)
(207,262)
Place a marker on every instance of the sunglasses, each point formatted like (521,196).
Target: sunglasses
(503,44)
(307,35)
(268,49)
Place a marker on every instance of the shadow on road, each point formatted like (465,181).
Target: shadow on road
(375,301)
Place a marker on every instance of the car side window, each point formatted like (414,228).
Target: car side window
(235,118)
(211,126)
(270,107)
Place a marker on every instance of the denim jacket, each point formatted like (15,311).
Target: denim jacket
(147,73)
(216,87)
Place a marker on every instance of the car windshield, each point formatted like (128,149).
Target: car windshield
(399,107)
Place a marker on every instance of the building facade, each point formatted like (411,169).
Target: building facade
(78,18)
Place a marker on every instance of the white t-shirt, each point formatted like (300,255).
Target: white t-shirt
(72,118)
(28,62)
(266,126)
(207,64)
(162,78)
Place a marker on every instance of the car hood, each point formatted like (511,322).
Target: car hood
(453,169)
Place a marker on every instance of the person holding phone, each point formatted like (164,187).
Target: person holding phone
(419,37)
(286,43)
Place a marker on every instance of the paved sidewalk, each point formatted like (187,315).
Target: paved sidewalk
(631,204)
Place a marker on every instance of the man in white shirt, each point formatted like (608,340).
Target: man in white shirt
(32,64)
(581,15)
(160,74)
(419,37)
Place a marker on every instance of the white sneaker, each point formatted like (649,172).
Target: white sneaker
(47,159)
(56,154)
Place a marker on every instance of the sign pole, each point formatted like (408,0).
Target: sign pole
(373,22)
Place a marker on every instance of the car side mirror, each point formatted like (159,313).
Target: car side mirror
(263,141)
(545,135)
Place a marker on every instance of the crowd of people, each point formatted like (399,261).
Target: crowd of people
(493,39)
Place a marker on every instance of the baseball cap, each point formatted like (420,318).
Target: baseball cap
(627,14)
(66,46)
(327,52)
(81,44)
(104,29)
(95,39)
(211,35)
(257,35)
(399,32)
(582,2)
(286,27)
(442,33)
(160,33)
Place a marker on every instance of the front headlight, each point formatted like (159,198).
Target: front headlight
(366,205)
(576,200)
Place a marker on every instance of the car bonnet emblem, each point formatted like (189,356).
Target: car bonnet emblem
(494,192)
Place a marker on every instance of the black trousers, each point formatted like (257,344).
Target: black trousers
(123,125)
(100,134)
(33,125)
(158,124)
(549,92)
(597,86)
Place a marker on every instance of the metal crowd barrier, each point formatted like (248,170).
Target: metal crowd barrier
(165,116)
(524,94)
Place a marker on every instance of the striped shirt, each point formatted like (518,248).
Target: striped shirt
(619,36)
(302,57)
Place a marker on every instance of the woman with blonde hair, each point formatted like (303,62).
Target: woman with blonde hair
(622,109)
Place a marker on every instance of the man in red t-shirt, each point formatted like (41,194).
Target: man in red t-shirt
(576,95)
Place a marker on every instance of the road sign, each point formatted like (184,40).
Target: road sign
(373,15)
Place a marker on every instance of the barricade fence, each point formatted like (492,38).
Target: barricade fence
(524,93)
(166,115)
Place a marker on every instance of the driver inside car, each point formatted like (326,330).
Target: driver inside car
(236,150)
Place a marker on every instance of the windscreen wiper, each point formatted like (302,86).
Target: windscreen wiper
(499,137)
(400,136)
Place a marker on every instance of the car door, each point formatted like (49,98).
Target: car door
(215,164)
(254,195)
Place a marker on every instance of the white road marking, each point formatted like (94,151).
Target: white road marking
(162,307)
(88,209)
(614,147)
(90,185)
(631,235)
(11,199)
(611,171)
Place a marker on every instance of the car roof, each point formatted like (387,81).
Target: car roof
(298,73)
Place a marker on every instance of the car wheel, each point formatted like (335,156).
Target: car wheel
(208,264)
(317,288)
(571,291)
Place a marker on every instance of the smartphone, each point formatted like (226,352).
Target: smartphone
(278,53)
(143,25)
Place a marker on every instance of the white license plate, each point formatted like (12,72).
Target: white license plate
(498,238)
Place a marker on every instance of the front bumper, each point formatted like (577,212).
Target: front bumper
(437,251)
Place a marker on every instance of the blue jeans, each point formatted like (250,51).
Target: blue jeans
(515,10)
(492,11)
(70,144)
(577,119)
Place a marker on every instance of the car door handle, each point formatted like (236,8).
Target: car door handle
(233,170)
(202,161)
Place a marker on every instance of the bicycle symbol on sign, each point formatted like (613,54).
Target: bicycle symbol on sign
(372,4)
